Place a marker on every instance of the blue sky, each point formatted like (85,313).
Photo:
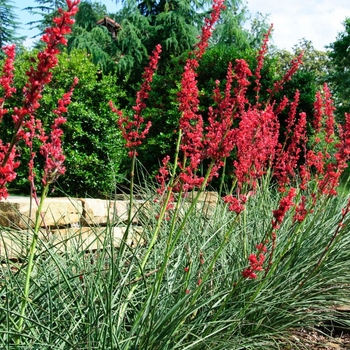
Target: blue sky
(24,16)
(317,20)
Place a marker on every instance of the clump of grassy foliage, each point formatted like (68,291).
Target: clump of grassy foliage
(267,256)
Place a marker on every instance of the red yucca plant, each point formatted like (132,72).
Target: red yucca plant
(27,127)
(248,132)
(252,133)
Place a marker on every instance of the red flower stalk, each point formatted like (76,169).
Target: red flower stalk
(163,175)
(162,178)
(255,262)
(287,156)
(285,204)
(236,204)
(220,137)
(318,113)
(242,72)
(301,211)
(207,29)
(52,151)
(7,170)
(191,125)
(37,78)
(6,78)
(330,181)
(256,140)
(41,75)
(261,56)
(343,152)
(191,122)
(329,109)
(296,62)
(131,128)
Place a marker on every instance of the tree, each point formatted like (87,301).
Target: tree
(340,73)
(8,24)
(47,9)
(231,29)
(314,61)
(175,24)
(92,38)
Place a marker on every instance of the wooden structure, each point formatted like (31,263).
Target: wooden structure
(112,26)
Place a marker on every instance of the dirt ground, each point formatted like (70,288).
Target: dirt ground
(318,341)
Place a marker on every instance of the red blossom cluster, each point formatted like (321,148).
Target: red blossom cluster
(296,62)
(261,57)
(328,168)
(26,126)
(6,78)
(52,151)
(207,29)
(285,204)
(235,204)
(7,170)
(288,154)
(256,262)
(41,75)
(133,130)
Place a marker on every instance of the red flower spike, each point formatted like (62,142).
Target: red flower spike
(47,60)
(207,29)
(285,204)
(301,211)
(26,126)
(6,78)
(296,62)
(52,151)
(261,56)
(235,204)
(255,263)
(131,128)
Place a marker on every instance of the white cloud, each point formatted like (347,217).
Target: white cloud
(317,20)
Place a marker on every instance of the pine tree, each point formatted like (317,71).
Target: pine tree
(47,9)
(8,23)
(93,38)
(340,70)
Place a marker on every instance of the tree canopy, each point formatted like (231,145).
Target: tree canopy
(340,72)
(8,23)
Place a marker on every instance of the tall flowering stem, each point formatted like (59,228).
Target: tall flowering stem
(25,129)
(207,29)
(278,86)
(261,57)
(191,122)
(6,78)
(52,150)
(133,128)
(189,143)
(23,117)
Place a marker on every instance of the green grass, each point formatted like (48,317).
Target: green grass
(100,300)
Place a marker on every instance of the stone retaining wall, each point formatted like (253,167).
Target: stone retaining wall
(67,223)
(73,223)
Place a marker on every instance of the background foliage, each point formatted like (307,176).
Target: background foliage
(91,143)
(111,68)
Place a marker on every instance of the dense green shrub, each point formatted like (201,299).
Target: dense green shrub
(91,137)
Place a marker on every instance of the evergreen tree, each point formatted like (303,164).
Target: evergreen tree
(340,72)
(95,39)
(175,24)
(47,9)
(8,24)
